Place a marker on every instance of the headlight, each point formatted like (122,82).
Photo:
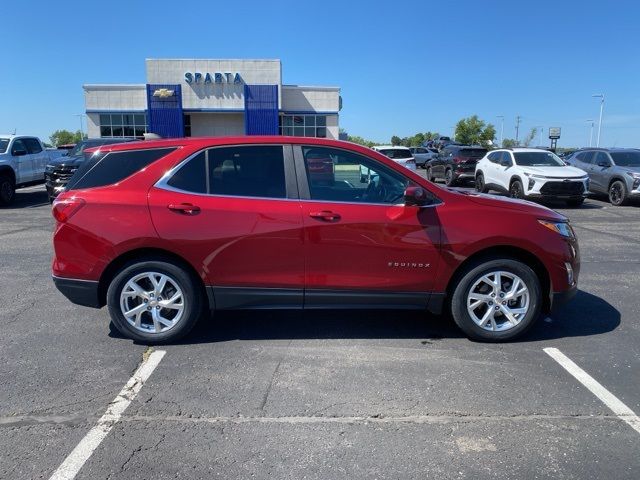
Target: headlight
(635,176)
(531,175)
(563,228)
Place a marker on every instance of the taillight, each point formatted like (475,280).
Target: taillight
(63,210)
(411,160)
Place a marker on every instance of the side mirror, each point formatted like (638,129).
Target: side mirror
(18,152)
(505,163)
(415,196)
(604,164)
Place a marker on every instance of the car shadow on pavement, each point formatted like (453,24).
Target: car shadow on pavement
(28,199)
(583,316)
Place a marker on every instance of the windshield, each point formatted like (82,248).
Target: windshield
(622,159)
(79,148)
(4,143)
(396,152)
(538,159)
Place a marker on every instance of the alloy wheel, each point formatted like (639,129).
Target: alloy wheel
(616,193)
(498,301)
(516,190)
(152,302)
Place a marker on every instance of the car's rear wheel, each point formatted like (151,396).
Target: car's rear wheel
(496,300)
(430,175)
(618,193)
(7,190)
(449,179)
(480,186)
(154,301)
(516,190)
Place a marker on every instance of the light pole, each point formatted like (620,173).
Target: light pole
(501,117)
(591,132)
(453,133)
(80,115)
(601,97)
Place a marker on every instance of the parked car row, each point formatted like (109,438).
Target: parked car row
(537,173)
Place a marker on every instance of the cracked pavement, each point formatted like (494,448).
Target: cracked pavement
(284,394)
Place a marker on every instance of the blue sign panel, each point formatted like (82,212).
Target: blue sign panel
(164,110)
(261,109)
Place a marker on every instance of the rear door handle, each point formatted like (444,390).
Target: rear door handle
(184,208)
(326,216)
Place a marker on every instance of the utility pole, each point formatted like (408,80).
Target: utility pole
(517,127)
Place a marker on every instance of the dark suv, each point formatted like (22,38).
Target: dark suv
(612,171)
(455,163)
(59,171)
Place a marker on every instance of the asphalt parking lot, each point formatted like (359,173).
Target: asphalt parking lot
(322,395)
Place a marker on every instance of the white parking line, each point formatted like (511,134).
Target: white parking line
(77,458)
(609,399)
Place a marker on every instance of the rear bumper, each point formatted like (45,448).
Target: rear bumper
(80,292)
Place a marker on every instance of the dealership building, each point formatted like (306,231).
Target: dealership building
(195,98)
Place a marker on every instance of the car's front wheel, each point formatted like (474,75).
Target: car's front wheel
(430,176)
(154,301)
(7,190)
(496,300)
(618,193)
(516,190)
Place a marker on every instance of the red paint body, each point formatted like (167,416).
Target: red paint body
(282,243)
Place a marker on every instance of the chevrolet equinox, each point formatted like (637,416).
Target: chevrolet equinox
(163,231)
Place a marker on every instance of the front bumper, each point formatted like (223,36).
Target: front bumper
(552,188)
(561,298)
(80,292)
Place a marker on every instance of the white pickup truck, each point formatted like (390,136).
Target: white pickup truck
(22,163)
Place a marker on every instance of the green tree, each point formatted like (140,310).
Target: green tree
(473,131)
(361,141)
(63,137)
(529,138)
(509,143)
(395,140)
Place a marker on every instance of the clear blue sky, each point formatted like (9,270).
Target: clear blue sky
(403,66)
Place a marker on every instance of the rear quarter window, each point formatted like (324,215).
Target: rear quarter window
(108,168)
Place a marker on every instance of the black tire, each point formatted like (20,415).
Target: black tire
(618,195)
(193,300)
(575,202)
(516,190)
(7,190)
(449,179)
(480,186)
(430,175)
(476,271)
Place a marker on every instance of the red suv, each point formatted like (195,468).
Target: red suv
(164,231)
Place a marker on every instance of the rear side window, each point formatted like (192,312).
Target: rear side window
(246,171)
(33,145)
(112,167)
(494,157)
(396,152)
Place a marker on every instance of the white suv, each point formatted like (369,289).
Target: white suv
(531,173)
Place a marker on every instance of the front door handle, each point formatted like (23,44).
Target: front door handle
(325,216)
(184,208)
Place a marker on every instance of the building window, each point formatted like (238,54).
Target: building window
(114,125)
(303,125)
(187,125)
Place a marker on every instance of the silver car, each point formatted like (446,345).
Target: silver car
(612,171)
(423,155)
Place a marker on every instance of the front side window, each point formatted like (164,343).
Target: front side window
(336,175)
(538,159)
(601,158)
(33,145)
(246,171)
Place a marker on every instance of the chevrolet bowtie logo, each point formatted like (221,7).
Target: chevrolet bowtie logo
(163,93)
